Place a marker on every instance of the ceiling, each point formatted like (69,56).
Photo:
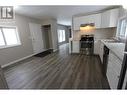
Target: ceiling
(63,14)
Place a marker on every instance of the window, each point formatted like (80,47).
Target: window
(61,35)
(122,28)
(8,37)
(1,39)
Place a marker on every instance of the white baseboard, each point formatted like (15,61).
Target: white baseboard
(13,62)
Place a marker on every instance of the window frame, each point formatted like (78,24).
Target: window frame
(17,37)
(118,34)
(2,37)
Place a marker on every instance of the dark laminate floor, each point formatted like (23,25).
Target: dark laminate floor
(57,71)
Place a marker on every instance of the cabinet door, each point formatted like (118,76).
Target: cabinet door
(77,21)
(96,47)
(109,18)
(70,46)
(95,18)
(75,46)
(105,19)
(114,14)
(116,63)
(113,70)
(112,78)
(101,51)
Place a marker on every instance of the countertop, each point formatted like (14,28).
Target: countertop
(116,47)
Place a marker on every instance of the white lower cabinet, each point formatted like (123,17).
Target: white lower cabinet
(113,70)
(112,78)
(75,46)
(96,47)
(70,46)
(101,50)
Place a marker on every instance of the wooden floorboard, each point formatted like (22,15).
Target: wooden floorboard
(59,70)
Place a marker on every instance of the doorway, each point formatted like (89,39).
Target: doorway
(47,38)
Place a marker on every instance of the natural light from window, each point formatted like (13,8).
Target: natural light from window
(61,35)
(1,39)
(123,28)
(8,37)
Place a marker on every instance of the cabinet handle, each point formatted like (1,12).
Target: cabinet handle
(118,76)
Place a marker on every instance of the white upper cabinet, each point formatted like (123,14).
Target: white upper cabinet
(95,18)
(109,18)
(102,20)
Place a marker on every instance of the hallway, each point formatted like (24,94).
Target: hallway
(59,70)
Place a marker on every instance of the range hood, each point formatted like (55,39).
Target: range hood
(87,26)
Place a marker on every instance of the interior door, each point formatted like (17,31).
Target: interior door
(36,34)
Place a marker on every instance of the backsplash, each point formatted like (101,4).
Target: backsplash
(103,33)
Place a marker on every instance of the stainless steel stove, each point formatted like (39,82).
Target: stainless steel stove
(87,44)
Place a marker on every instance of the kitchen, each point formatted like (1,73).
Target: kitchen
(94,57)
(108,28)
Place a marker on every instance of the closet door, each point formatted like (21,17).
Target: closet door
(36,34)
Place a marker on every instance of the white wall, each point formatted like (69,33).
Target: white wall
(8,55)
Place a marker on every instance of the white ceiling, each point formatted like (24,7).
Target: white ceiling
(63,14)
